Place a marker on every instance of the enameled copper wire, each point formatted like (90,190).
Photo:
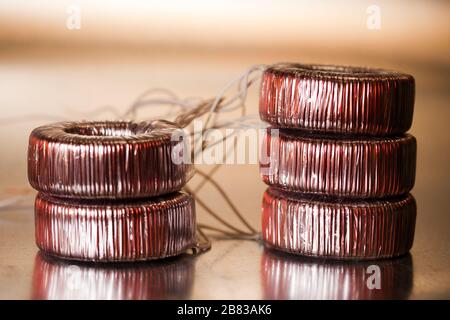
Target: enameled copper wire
(349,167)
(107,230)
(337,99)
(105,160)
(358,230)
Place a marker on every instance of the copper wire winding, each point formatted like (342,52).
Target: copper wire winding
(355,230)
(348,167)
(106,231)
(104,160)
(337,99)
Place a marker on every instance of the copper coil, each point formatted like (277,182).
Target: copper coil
(113,160)
(55,279)
(337,99)
(109,230)
(292,277)
(358,230)
(349,167)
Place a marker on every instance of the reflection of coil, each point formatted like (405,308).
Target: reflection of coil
(105,160)
(335,99)
(341,167)
(167,279)
(291,277)
(338,229)
(107,230)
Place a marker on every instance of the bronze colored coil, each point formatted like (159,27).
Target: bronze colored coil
(287,276)
(56,279)
(349,167)
(105,160)
(337,99)
(358,230)
(108,230)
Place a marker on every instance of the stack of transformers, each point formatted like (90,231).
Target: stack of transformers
(109,191)
(340,164)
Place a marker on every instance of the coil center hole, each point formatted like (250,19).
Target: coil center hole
(108,129)
(339,69)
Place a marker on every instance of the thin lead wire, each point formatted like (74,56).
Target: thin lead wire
(216,216)
(227,199)
(230,235)
(190,111)
(242,93)
(135,105)
(7,203)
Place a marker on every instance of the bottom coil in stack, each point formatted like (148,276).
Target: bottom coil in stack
(338,229)
(104,231)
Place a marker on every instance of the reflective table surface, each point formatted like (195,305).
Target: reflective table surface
(232,269)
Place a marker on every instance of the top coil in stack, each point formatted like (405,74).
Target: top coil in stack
(105,160)
(336,99)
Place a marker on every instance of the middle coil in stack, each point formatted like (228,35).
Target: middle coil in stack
(341,166)
(337,145)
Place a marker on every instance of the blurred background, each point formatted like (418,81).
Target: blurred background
(64,59)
